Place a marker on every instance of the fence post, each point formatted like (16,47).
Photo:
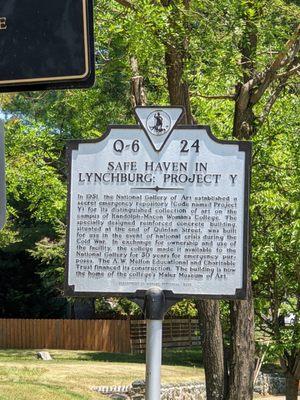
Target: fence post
(129,348)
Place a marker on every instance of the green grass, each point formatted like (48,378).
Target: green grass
(28,391)
(71,374)
(187,357)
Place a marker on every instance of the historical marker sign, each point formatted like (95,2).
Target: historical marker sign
(2,178)
(158,205)
(46,44)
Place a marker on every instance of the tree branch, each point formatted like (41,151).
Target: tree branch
(280,61)
(219,97)
(282,58)
(290,72)
(274,96)
(126,3)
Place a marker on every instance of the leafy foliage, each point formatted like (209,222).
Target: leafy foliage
(211,35)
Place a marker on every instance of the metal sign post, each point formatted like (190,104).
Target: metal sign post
(2,178)
(154,310)
(153,359)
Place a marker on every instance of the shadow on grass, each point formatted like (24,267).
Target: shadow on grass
(191,357)
(16,354)
(186,357)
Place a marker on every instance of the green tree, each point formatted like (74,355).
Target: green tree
(275,209)
(36,205)
(228,62)
(257,78)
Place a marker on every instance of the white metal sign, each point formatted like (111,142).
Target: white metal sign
(158,205)
(2,178)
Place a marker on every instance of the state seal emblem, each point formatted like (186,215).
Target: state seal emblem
(158,123)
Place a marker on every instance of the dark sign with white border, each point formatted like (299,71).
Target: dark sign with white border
(2,178)
(158,205)
(46,44)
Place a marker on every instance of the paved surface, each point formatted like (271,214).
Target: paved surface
(271,398)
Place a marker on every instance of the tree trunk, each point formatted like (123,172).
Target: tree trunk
(292,386)
(178,90)
(244,118)
(241,365)
(212,344)
(208,310)
(242,354)
(138,93)
(291,365)
(242,350)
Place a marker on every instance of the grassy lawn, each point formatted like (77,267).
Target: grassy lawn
(71,373)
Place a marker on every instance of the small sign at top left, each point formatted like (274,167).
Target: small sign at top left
(46,45)
(2,178)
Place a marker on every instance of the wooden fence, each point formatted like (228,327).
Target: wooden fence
(114,336)
(102,335)
(180,333)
